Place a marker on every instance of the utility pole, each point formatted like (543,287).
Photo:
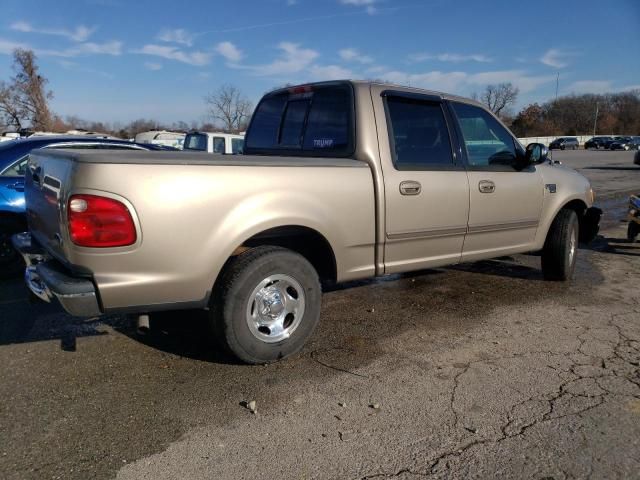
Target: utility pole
(595,120)
(557,83)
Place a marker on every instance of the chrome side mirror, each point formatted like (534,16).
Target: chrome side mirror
(537,153)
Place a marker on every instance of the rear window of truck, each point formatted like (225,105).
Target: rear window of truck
(195,141)
(313,121)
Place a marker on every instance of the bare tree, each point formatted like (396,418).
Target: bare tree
(10,112)
(25,99)
(499,97)
(230,108)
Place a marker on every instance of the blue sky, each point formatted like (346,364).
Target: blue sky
(118,60)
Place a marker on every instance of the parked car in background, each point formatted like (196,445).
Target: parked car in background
(13,162)
(625,143)
(6,136)
(162,137)
(214,142)
(597,142)
(340,181)
(565,143)
(608,143)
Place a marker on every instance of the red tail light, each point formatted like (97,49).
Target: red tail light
(100,222)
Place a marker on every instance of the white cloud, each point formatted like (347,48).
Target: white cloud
(521,79)
(435,80)
(351,54)
(7,46)
(590,86)
(88,48)
(463,82)
(196,58)
(376,69)
(79,34)
(153,66)
(449,57)
(329,72)
(368,4)
(229,51)
(108,48)
(178,35)
(556,58)
(358,3)
(293,59)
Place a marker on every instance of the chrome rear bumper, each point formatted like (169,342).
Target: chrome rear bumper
(47,279)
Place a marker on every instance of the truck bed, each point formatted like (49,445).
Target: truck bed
(192,211)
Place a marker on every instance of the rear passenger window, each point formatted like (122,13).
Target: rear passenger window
(314,121)
(419,134)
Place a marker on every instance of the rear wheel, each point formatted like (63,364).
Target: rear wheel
(267,304)
(561,247)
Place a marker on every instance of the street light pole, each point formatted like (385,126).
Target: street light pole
(595,120)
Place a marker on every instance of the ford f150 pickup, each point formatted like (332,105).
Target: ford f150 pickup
(339,181)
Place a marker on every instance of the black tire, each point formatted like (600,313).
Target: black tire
(561,246)
(11,263)
(561,147)
(632,231)
(235,300)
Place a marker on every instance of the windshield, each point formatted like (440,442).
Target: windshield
(195,141)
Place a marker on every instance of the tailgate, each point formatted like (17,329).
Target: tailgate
(46,185)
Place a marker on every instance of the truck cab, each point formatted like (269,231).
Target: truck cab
(215,142)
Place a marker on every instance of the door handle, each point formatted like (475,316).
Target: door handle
(486,186)
(410,187)
(18,186)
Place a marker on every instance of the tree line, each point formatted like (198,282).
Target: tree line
(24,105)
(612,113)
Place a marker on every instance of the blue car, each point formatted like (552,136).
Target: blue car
(13,162)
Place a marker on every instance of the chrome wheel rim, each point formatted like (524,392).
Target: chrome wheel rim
(275,308)
(573,245)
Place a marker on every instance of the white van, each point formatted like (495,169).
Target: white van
(213,142)
(161,137)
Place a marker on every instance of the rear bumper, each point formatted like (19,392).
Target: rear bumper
(47,279)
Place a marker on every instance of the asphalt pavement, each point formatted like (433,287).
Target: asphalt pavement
(477,371)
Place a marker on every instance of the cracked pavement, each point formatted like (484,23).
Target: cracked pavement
(478,371)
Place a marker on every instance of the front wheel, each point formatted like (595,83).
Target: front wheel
(267,304)
(561,246)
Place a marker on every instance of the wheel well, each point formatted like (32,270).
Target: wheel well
(303,240)
(577,206)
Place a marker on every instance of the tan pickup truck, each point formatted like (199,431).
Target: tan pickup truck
(339,181)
